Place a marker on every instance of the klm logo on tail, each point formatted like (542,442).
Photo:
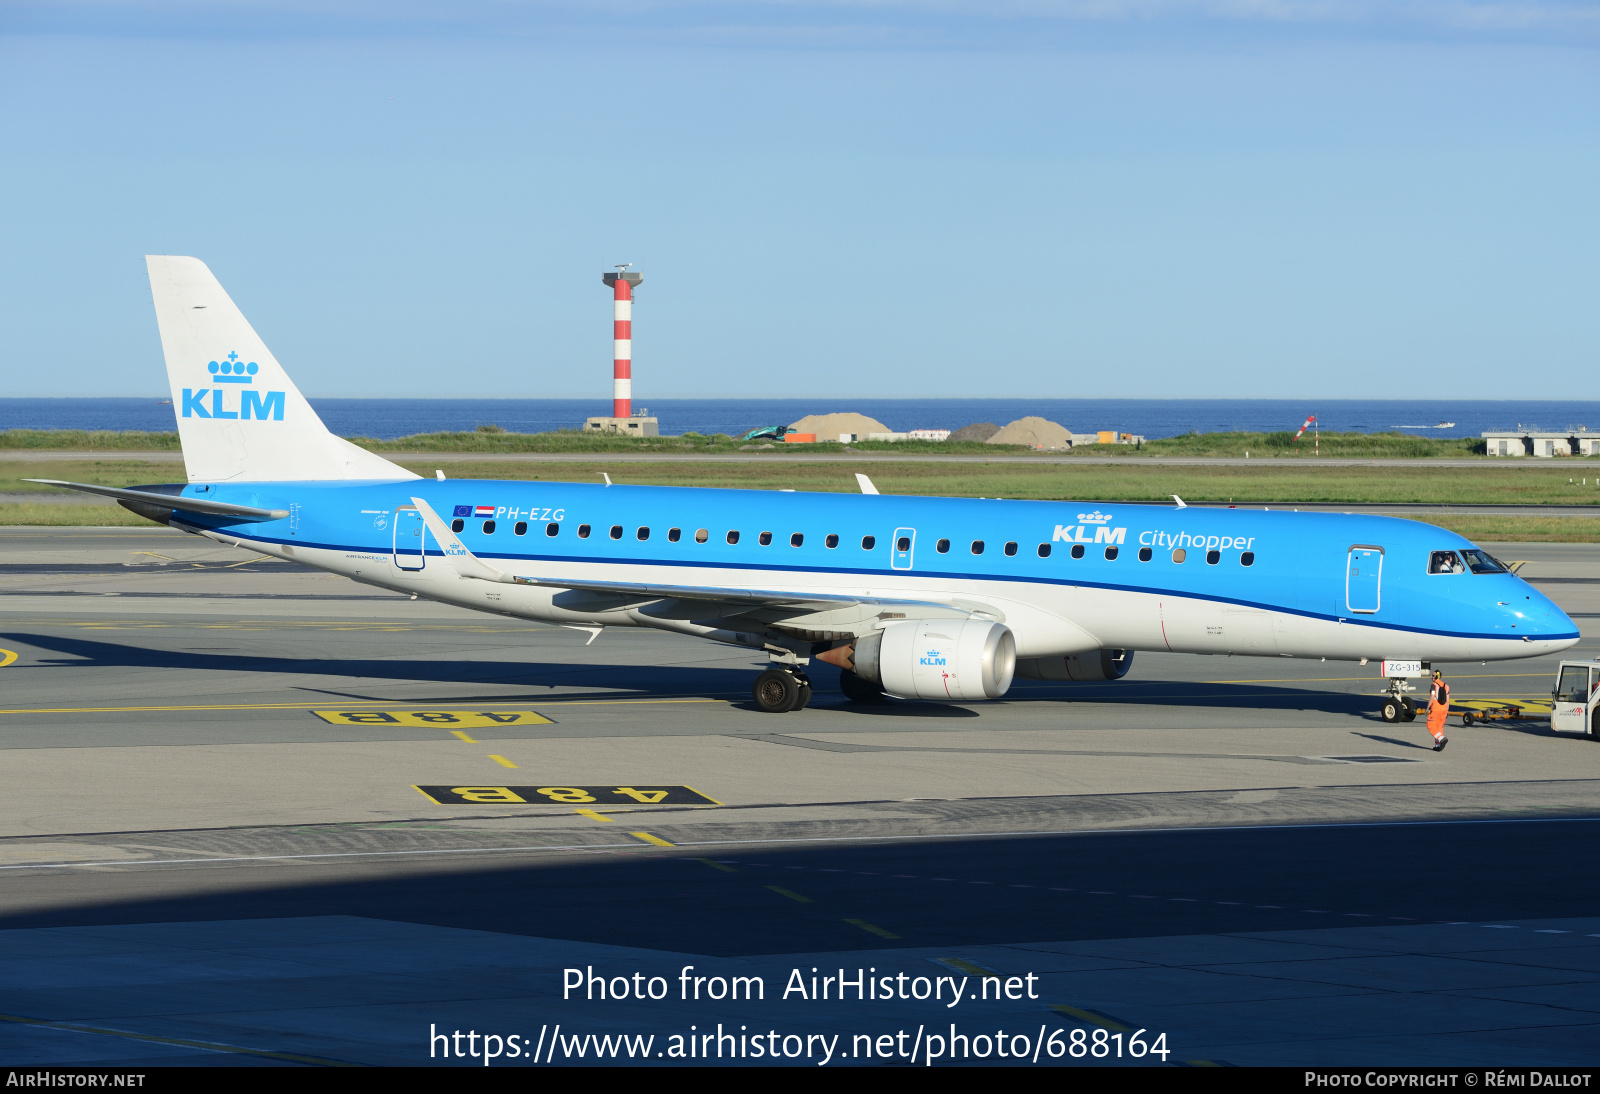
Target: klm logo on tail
(262,406)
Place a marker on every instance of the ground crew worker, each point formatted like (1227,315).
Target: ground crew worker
(1438,710)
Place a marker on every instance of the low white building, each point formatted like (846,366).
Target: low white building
(1545,444)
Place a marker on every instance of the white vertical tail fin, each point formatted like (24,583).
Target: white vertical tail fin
(240,417)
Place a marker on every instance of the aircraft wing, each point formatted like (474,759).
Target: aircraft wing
(469,565)
(173,501)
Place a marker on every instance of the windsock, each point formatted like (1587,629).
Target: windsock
(1305,427)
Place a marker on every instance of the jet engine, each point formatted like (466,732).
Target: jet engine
(1094,665)
(938,658)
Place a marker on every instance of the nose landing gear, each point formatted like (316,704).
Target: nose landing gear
(780,689)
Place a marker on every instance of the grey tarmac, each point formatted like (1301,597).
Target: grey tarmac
(1231,849)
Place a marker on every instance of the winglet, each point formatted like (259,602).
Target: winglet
(865,484)
(1179,501)
(463,561)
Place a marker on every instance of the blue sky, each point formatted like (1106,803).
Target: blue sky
(1062,199)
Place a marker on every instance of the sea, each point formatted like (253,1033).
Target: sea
(386,419)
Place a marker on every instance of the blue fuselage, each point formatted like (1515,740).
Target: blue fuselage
(1129,575)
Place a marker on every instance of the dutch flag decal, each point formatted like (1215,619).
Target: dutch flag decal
(484,511)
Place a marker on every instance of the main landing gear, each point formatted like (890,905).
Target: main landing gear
(780,689)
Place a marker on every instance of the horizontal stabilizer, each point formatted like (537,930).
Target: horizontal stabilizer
(173,501)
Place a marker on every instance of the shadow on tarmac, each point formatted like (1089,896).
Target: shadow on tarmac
(912,894)
(675,680)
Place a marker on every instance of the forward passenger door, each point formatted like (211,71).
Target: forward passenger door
(1363,579)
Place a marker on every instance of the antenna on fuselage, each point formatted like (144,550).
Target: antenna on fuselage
(1179,501)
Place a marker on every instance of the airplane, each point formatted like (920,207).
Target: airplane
(914,597)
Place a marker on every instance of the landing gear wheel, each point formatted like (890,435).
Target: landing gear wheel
(1407,711)
(1390,710)
(805,695)
(858,689)
(776,691)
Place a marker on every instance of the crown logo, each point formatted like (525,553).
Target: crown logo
(1095,517)
(231,370)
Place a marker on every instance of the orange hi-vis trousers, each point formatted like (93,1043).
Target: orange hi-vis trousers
(1438,710)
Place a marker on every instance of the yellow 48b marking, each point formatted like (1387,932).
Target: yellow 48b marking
(566,795)
(432,719)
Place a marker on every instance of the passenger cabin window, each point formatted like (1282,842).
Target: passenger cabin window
(1445,562)
(520,528)
(583,531)
(868,542)
(796,540)
(1111,554)
(1077,550)
(643,534)
(552,529)
(701,535)
(977,546)
(616,531)
(1213,557)
(832,541)
(1146,554)
(943,546)
(1044,550)
(674,535)
(1482,562)
(1179,555)
(733,537)
(1011,549)
(488,527)
(457,524)
(1248,558)
(765,539)
(903,543)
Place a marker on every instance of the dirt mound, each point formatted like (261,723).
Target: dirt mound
(1034,431)
(979,431)
(827,427)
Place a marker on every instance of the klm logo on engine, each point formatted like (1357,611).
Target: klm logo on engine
(932,658)
(1100,522)
(212,402)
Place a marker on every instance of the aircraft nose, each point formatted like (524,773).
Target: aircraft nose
(1541,615)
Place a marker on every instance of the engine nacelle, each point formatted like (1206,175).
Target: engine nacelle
(939,658)
(1094,665)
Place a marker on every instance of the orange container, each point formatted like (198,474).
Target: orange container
(799,438)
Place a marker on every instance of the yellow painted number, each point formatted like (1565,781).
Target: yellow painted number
(650,797)
(489,794)
(566,794)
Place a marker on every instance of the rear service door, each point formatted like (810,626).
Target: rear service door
(902,548)
(1363,578)
(410,540)
(1574,687)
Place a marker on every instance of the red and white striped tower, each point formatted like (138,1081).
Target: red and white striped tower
(622,284)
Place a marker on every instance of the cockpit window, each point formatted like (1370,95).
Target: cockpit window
(1445,562)
(1482,562)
